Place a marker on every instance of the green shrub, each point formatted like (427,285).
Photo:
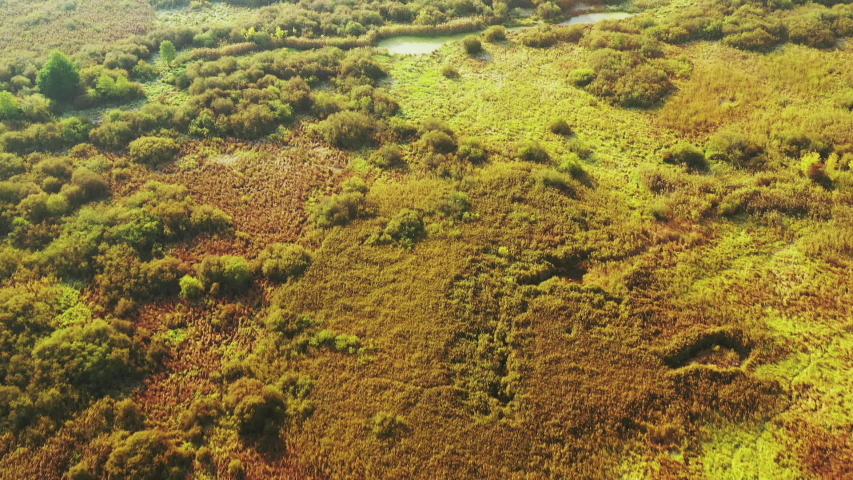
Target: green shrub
(471,44)
(472,151)
(281,261)
(449,71)
(456,205)
(571,164)
(347,129)
(231,272)
(438,141)
(385,424)
(258,409)
(148,455)
(686,154)
(539,37)
(191,287)
(9,108)
(10,165)
(206,218)
(387,156)
(495,33)
(405,228)
(733,148)
(236,469)
(337,209)
(560,127)
(153,150)
(354,185)
(532,151)
(551,178)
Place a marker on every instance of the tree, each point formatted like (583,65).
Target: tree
(59,79)
(168,51)
(9,109)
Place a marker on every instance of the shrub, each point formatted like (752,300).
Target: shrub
(495,33)
(685,154)
(449,71)
(9,108)
(560,127)
(438,141)
(531,151)
(470,150)
(571,164)
(153,150)
(387,156)
(336,209)
(10,165)
(148,455)
(456,205)
(236,469)
(206,218)
(92,185)
(550,178)
(281,261)
(257,408)
(191,287)
(354,185)
(539,37)
(231,272)
(581,77)
(472,45)
(347,129)
(734,148)
(405,228)
(385,425)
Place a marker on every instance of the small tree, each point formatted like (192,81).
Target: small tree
(153,150)
(59,79)
(168,52)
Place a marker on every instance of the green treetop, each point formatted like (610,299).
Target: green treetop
(59,79)
(168,51)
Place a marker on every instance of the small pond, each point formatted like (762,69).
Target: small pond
(597,17)
(417,45)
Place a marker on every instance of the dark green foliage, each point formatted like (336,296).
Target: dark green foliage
(10,165)
(348,129)
(539,37)
(387,156)
(531,151)
(94,358)
(438,141)
(471,44)
(495,33)
(628,79)
(734,148)
(232,273)
(59,79)
(282,261)
(258,409)
(148,455)
(456,206)
(560,127)
(686,154)
(552,178)
(581,77)
(337,209)
(571,164)
(153,150)
(472,151)
(404,229)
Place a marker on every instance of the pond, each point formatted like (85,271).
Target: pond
(597,17)
(417,45)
